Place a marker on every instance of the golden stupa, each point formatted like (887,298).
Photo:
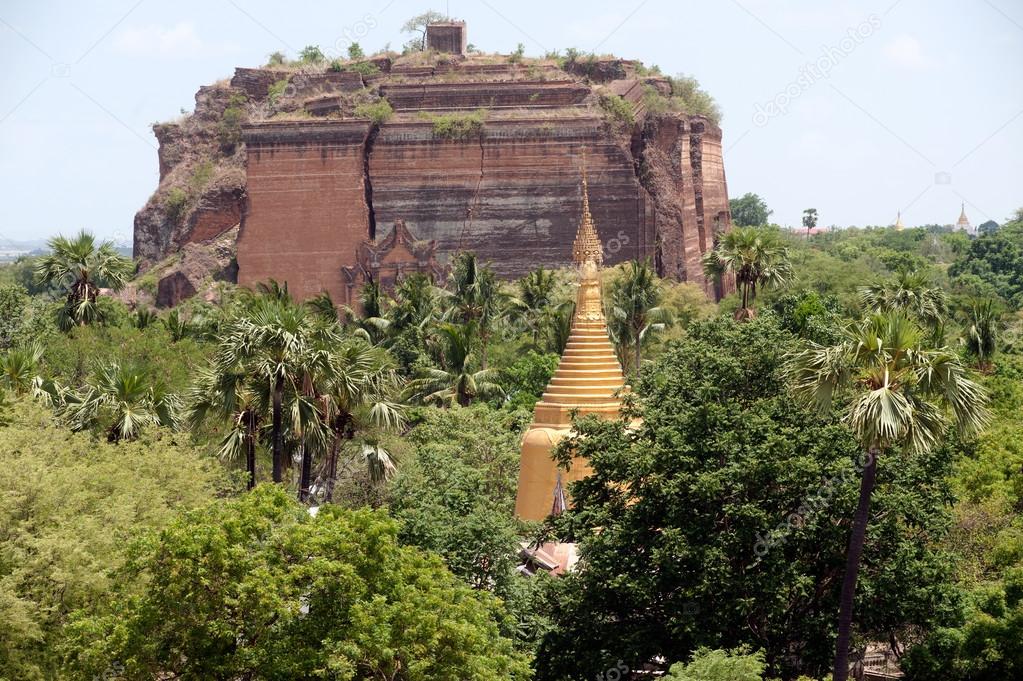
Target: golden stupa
(964,222)
(587,381)
(898,221)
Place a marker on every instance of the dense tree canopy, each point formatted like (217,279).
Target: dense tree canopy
(749,210)
(722,520)
(287,594)
(70,503)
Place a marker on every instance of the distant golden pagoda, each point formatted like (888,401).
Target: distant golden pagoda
(588,380)
(964,222)
(898,221)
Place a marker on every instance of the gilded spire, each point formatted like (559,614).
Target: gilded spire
(898,221)
(587,247)
(964,222)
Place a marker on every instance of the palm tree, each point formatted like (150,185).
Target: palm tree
(911,293)
(358,395)
(756,256)
(809,220)
(416,303)
(634,311)
(18,368)
(981,333)
(455,382)
(274,341)
(127,399)
(228,393)
(370,322)
(80,266)
(902,396)
(476,298)
(535,300)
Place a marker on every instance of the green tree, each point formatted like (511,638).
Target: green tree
(81,267)
(71,504)
(995,259)
(277,342)
(757,257)
(355,51)
(986,647)
(289,595)
(749,210)
(981,332)
(711,522)
(455,494)
(536,299)
(13,302)
(418,24)
(809,220)
(911,293)
(358,395)
(904,395)
(311,54)
(476,299)
(229,395)
(634,310)
(123,401)
(455,382)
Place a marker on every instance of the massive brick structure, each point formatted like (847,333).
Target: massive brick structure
(479,154)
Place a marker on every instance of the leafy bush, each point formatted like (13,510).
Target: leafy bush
(13,301)
(720,665)
(175,202)
(525,380)
(366,68)
(617,111)
(355,51)
(229,131)
(516,56)
(276,90)
(378,112)
(457,126)
(276,59)
(311,54)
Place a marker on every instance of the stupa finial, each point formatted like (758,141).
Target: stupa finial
(587,247)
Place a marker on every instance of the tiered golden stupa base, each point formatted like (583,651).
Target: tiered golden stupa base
(587,381)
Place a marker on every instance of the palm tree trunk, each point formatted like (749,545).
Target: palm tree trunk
(250,447)
(852,567)
(278,431)
(307,465)
(332,469)
(639,353)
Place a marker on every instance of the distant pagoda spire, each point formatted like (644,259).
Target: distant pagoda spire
(898,221)
(964,222)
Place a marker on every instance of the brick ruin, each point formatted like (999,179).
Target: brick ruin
(322,187)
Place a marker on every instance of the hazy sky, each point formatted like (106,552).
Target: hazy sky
(859,109)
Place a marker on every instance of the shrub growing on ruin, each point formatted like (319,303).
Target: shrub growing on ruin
(617,111)
(458,126)
(378,111)
(276,90)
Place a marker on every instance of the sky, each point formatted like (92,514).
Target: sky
(858,109)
